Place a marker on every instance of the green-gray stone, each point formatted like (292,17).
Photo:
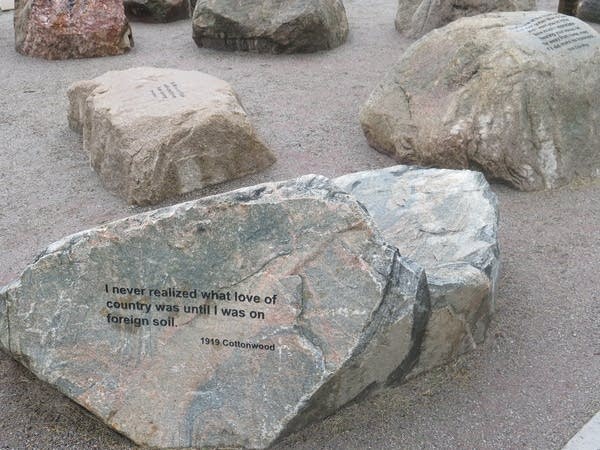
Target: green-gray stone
(270,26)
(349,317)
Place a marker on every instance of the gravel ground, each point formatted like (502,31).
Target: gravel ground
(533,383)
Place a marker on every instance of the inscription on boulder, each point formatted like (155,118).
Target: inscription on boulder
(226,321)
(155,133)
(556,32)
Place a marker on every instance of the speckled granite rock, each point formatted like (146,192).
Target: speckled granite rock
(157,10)
(65,29)
(416,18)
(446,221)
(155,133)
(270,26)
(505,93)
(226,321)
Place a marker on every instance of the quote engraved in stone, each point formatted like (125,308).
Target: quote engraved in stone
(167,91)
(139,306)
(556,31)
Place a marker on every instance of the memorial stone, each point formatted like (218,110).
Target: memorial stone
(157,10)
(65,29)
(226,321)
(270,26)
(509,94)
(415,18)
(447,222)
(155,133)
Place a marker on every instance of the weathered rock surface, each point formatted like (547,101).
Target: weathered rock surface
(329,312)
(270,26)
(155,133)
(63,29)
(446,221)
(157,10)
(415,18)
(511,94)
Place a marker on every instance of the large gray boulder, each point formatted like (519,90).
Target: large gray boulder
(270,26)
(155,133)
(415,18)
(226,321)
(510,94)
(446,221)
(63,29)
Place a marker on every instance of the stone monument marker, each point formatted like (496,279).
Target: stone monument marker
(226,321)
(63,29)
(270,26)
(155,133)
(510,94)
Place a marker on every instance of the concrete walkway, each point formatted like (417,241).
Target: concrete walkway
(588,438)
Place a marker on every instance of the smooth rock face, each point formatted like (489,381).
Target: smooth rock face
(415,18)
(509,94)
(157,10)
(156,133)
(63,29)
(117,317)
(446,221)
(270,26)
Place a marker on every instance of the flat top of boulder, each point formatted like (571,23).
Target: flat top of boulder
(433,216)
(262,15)
(72,15)
(157,92)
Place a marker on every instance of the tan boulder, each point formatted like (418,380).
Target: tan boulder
(156,133)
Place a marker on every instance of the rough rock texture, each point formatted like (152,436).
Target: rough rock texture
(415,18)
(446,221)
(511,94)
(63,29)
(329,312)
(157,10)
(270,26)
(154,133)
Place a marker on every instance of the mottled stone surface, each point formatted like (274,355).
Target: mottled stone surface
(415,18)
(155,133)
(270,26)
(510,94)
(333,312)
(63,29)
(157,10)
(446,221)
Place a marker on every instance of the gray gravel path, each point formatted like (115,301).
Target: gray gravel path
(532,385)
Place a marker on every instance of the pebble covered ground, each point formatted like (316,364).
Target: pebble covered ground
(533,383)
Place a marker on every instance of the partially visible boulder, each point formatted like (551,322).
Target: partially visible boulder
(63,29)
(270,26)
(415,18)
(228,321)
(157,10)
(510,94)
(588,10)
(155,133)
(446,221)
